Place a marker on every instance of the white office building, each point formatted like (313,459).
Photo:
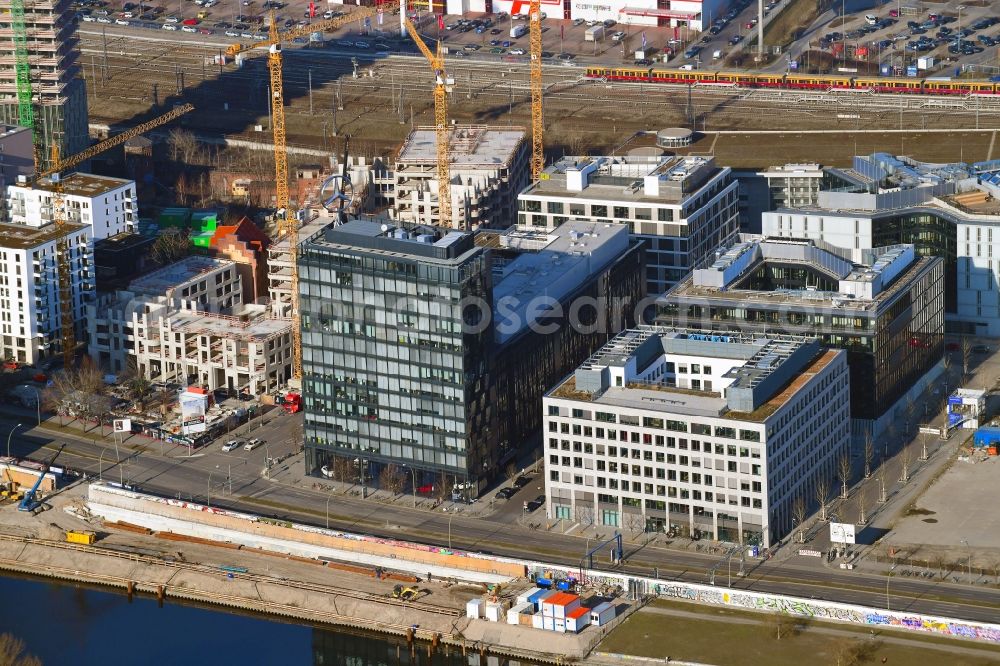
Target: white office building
(683,207)
(947,210)
(186,323)
(696,433)
(30,314)
(107,205)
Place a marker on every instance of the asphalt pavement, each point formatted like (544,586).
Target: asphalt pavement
(235,480)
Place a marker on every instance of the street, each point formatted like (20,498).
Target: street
(234,480)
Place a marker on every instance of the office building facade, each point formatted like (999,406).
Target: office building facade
(695,433)
(430,349)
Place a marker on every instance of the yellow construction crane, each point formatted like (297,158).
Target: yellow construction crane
(63,268)
(442,86)
(537,123)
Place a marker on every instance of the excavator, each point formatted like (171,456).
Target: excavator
(30,501)
(406,592)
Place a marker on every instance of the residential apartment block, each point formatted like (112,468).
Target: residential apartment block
(431,348)
(30,309)
(887,313)
(696,433)
(107,205)
(58,92)
(187,323)
(489,166)
(682,207)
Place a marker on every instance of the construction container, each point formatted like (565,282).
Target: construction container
(594,33)
(85,537)
(577,619)
(986,436)
(601,614)
(474,609)
(514,614)
(493,611)
(538,596)
(537,621)
(559,604)
(527,618)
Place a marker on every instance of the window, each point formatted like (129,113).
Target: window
(665,215)
(553,410)
(555,207)
(621,212)
(651,422)
(598,211)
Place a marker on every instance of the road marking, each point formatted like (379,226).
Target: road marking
(989,153)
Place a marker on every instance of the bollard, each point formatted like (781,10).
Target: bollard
(409,636)
(463,647)
(435,640)
(160,594)
(130,590)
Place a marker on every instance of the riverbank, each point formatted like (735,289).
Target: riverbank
(320,591)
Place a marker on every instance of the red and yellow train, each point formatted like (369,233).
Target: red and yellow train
(929,86)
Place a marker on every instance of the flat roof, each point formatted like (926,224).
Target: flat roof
(22,237)
(622,178)
(255,326)
(779,399)
(168,277)
(124,241)
(551,264)
(468,145)
(83,184)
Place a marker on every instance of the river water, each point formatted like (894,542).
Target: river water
(84,626)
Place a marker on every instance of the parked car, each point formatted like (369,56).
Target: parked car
(252,444)
(535,504)
(521,481)
(516,51)
(980,349)
(505,493)
(232,445)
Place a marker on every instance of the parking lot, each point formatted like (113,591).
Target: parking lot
(907,40)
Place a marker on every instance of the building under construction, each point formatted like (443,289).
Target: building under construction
(39,57)
(489,166)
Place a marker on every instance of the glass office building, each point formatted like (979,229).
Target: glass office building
(405,361)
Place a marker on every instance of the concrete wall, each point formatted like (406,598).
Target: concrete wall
(192,519)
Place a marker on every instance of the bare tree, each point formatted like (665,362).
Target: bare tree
(184,145)
(634,522)
(799,515)
(880,473)
(781,625)
(995,568)
(853,651)
(862,501)
(12,652)
(869,453)
(442,489)
(585,514)
(966,353)
(392,478)
(822,494)
(924,455)
(939,563)
(844,473)
(905,458)
(911,411)
(510,471)
(343,468)
(171,246)
(78,391)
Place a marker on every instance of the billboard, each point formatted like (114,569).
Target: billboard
(841,533)
(123,425)
(193,409)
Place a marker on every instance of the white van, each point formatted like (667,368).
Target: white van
(716,55)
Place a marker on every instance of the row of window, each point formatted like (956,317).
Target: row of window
(660,491)
(683,444)
(724,432)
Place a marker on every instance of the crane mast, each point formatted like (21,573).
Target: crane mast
(537,122)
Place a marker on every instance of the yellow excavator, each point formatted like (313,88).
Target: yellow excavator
(406,592)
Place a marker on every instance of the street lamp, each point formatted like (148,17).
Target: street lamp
(887,578)
(450,516)
(9,436)
(208,490)
(328,510)
(413,473)
(100,464)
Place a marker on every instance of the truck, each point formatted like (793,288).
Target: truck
(594,33)
(517,30)
(292,403)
